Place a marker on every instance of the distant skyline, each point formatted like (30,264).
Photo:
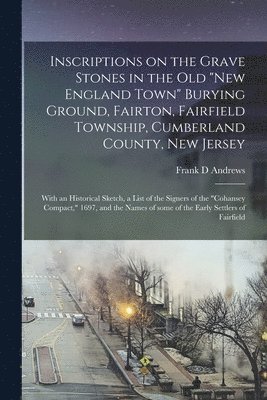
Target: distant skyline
(144,20)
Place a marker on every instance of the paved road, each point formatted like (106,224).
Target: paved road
(83,366)
(77,391)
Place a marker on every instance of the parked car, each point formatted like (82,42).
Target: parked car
(29,301)
(78,319)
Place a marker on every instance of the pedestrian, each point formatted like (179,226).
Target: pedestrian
(196,383)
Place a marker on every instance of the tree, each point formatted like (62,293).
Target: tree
(258,286)
(236,319)
(143,319)
(123,280)
(121,285)
(189,342)
(138,279)
(102,296)
(139,272)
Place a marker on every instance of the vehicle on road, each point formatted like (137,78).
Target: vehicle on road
(78,320)
(29,301)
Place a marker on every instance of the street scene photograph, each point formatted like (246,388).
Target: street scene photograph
(144,319)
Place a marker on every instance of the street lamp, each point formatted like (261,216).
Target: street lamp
(129,313)
(263,371)
(223,368)
(27,303)
(212,350)
(79,269)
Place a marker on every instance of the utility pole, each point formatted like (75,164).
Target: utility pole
(223,368)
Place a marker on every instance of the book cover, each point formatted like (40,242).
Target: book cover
(144,199)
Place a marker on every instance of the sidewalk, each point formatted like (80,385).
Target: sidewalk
(175,371)
(113,342)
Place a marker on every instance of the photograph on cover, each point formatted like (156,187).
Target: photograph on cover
(100,315)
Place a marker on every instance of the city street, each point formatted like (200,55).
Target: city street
(82,366)
(61,360)
(77,391)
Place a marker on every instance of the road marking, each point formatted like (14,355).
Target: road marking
(24,354)
(118,395)
(59,301)
(29,387)
(40,276)
(53,315)
(50,338)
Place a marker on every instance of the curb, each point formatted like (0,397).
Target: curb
(151,396)
(147,396)
(102,341)
(183,371)
(124,374)
(38,366)
(30,314)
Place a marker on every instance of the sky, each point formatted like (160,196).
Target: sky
(192,268)
(144,20)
